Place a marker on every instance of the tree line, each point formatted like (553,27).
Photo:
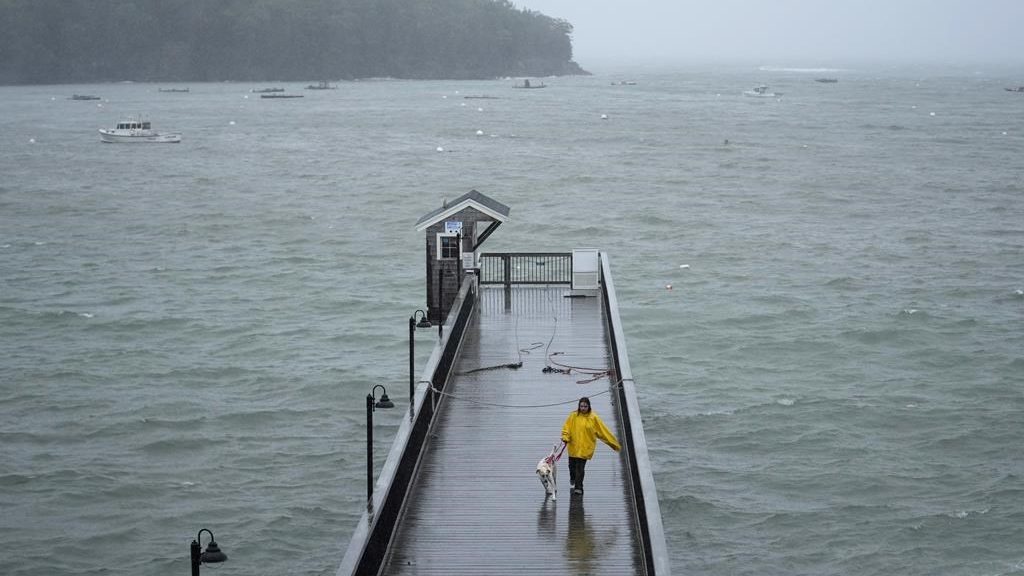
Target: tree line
(76,41)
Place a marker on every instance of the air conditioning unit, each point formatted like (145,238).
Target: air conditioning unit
(585,269)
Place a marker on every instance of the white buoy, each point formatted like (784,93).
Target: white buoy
(684,266)
(232,123)
(440,149)
(668,286)
(31,140)
(931,113)
(479,109)
(479,132)
(604,116)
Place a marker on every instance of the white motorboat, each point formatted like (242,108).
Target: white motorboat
(761,92)
(136,130)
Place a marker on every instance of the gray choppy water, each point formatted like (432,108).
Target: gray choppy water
(832,386)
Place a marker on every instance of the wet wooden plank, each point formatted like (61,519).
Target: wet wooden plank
(476,505)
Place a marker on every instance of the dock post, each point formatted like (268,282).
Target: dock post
(507,266)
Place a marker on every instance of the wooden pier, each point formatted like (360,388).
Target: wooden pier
(458,494)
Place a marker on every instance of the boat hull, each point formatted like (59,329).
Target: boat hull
(137,137)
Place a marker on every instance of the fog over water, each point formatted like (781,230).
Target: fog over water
(791,31)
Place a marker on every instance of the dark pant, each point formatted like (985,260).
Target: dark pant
(577,469)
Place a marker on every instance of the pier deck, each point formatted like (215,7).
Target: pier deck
(476,505)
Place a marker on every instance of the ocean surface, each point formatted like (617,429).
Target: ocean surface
(823,299)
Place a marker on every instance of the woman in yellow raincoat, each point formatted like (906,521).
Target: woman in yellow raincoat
(580,433)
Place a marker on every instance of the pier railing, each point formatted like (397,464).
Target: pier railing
(510,268)
(369,543)
(635,443)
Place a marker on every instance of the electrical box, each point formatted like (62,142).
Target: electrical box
(585,269)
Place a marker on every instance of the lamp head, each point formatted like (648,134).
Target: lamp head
(423,323)
(212,554)
(384,401)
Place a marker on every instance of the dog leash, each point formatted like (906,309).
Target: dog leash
(551,459)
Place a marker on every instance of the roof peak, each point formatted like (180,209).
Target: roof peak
(474,198)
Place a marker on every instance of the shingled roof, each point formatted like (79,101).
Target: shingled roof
(475,199)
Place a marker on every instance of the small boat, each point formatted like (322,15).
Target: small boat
(172,89)
(266,90)
(136,130)
(624,83)
(84,97)
(280,95)
(1017,89)
(526,84)
(322,85)
(827,80)
(481,97)
(761,92)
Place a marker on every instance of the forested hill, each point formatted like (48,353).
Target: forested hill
(75,41)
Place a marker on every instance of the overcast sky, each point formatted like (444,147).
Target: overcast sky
(790,32)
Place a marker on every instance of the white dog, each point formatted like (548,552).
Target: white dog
(547,471)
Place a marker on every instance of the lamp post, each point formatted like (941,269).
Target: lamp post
(371,404)
(211,555)
(413,325)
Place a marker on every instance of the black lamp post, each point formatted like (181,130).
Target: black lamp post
(413,325)
(211,555)
(371,404)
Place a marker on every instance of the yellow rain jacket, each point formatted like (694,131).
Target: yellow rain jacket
(581,432)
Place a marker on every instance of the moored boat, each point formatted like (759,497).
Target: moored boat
(84,97)
(827,80)
(1017,89)
(266,90)
(136,130)
(761,92)
(322,85)
(526,84)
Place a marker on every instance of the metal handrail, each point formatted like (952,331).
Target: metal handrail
(645,494)
(368,546)
(510,268)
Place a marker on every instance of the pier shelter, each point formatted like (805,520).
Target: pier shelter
(518,346)
(454,234)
